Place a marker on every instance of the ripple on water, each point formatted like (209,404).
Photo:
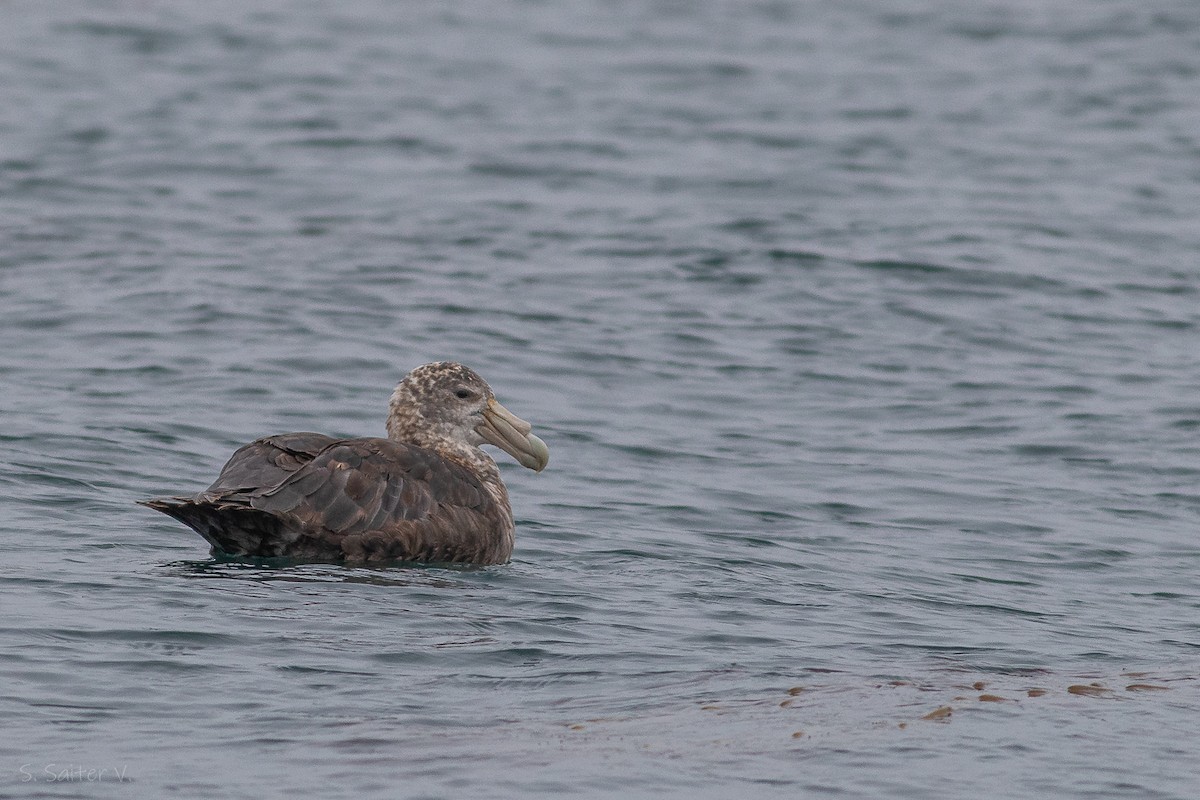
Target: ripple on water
(869,389)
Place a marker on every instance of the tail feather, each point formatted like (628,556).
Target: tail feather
(231,528)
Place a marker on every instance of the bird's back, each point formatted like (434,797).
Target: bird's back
(313,497)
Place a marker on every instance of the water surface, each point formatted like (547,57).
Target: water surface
(864,339)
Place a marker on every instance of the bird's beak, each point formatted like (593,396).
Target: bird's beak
(512,435)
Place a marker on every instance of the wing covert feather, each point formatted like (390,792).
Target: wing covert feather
(265,462)
(377,486)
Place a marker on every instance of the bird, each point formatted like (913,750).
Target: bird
(426,493)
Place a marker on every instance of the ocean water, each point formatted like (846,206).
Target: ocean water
(865,338)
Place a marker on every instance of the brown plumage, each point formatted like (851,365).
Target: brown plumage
(426,493)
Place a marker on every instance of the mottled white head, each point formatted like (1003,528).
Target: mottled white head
(448,408)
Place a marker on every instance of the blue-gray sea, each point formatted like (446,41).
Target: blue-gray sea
(865,337)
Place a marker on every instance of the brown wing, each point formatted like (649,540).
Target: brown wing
(266,462)
(376,499)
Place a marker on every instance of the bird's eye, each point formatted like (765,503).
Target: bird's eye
(463,394)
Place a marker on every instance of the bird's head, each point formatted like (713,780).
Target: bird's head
(446,402)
